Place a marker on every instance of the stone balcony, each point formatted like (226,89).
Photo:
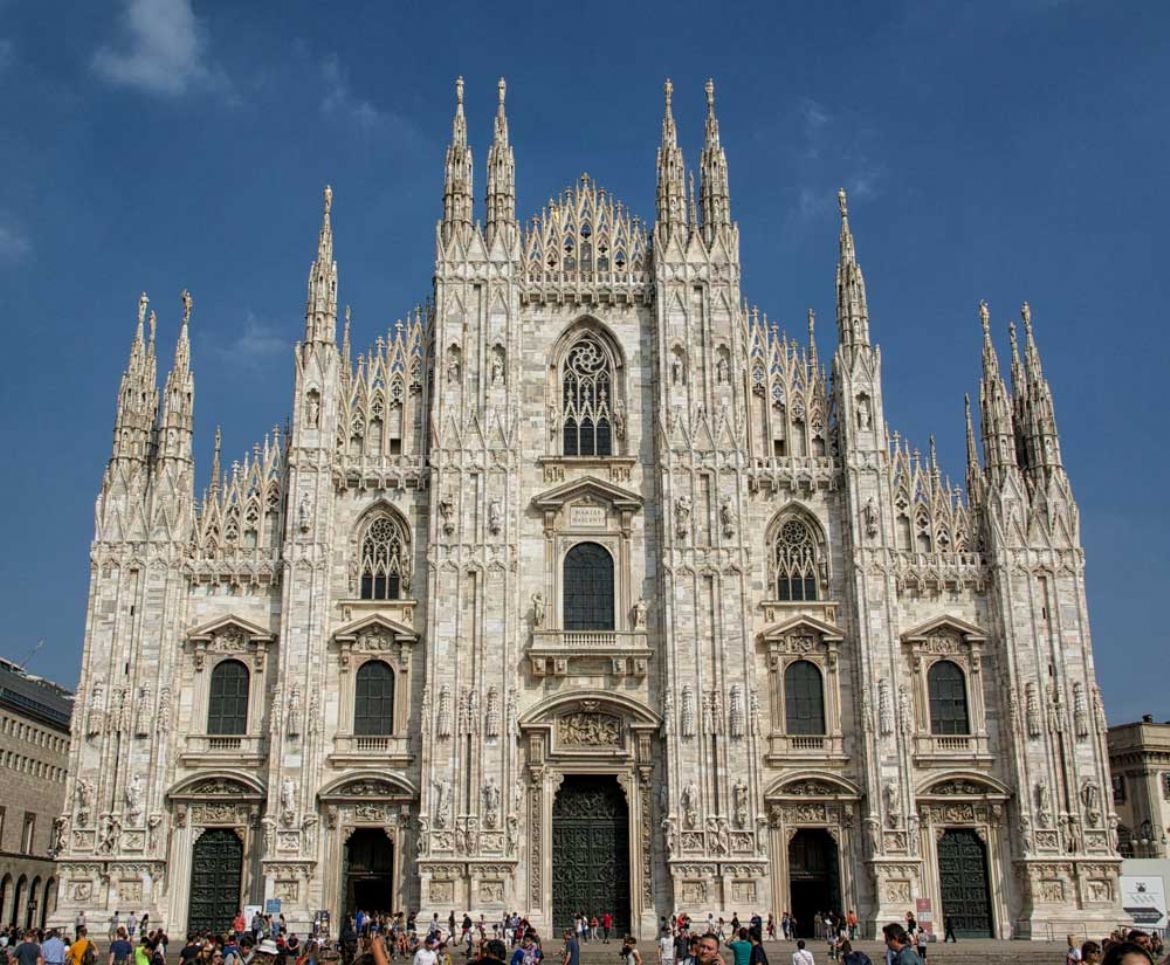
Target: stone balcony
(951,749)
(560,653)
(217,750)
(354,750)
(784,748)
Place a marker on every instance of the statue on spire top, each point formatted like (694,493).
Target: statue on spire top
(984,314)
(185,297)
(328,199)
(842,203)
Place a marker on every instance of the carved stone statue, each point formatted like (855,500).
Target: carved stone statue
(619,419)
(727,517)
(134,799)
(690,805)
(1091,798)
(491,804)
(864,418)
(721,370)
(288,802)
(313,410)
(95,717)
(442,803)
(491,714)
(682,516)
(735,712)
(84,801)
(885,709)
(554,419)
(304,513)
(60,833)
(687,716)
(447,512)
(640,608)
(495,517)
(1043,805)
(1032,710)
(293,728)
(443,717)
(870,515)
(497,366)
(740,798)
(538,610)
(142,714)
(1080,712)
(893,807)
(452,365)
(668,832)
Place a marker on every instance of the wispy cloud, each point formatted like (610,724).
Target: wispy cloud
(164,52)
(339,101)
(257,345)
(14,243)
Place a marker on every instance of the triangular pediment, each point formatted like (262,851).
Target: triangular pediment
(591,486)
(376,622)
(826,631)
(229,622)
(968,631)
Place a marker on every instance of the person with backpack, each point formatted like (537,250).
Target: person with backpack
(853,957)
(82,951)
(121,951)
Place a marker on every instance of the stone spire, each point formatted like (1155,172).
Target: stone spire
(813,361)
(178,414)
(321,307)
(999,445)
(346,365)
(714,192)
(672,194)
(973,474)
(457,179)
(137,394)
(852,311)
(216,464)
(501,177)
(1038,423)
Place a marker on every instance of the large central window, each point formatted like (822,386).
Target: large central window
(587,399)
(588,588)
(385,559)
(794,561)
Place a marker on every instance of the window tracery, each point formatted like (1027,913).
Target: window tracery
(587,398)
(947,687)
(385,559)
(794,561)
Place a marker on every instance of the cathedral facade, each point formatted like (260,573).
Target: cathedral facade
(584,589)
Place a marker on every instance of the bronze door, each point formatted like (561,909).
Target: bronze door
(216,870)
(591,851)
(963,880)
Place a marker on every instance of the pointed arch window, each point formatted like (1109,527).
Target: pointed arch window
(947,685)
(373,710)
(587,378)
(227,711)
(588,601)
(804,699)
(384,559)
(794,561)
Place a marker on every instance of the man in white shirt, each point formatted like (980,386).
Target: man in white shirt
(802,956)
(426,955)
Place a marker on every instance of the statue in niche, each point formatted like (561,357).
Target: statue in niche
(83,796)
(721,367)
(864,417)
(491,804)
(893,807)
(885,711)
(640,609)
(497,365)
(554,419)
(452,365)
(735,713)
(688,711)
(491,715)
(1043,805)
(619,419)
(682,516)
(442,803)
(288,802)
(134,799)
(690,804)
(142,714)
(313,410)
(443,722)
(495,517)
(740,798)
(1091,798)
(676,369)
(293,728)
(1080,712)
(304,513)
(727,517)
(447,512)
(94,717)
(869,513)
(538,609)
(1032,710)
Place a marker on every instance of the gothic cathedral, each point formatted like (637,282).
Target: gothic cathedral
(584,589)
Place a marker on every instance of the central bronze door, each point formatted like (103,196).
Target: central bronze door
(217,866)
(591,851)
(966,891)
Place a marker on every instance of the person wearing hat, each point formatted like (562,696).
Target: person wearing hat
(266,952)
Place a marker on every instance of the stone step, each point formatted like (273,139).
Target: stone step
(964,952)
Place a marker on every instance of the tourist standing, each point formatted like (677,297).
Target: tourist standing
(572,950)
(53,950)
(606,926)
(121,951)
(741,948)
(802,956)
(82,951)
(898,942)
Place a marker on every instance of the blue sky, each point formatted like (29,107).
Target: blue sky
(1002,150)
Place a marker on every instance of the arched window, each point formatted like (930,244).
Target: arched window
(385,558)
(794,561)
(373,706)
(587,398)
(588,588)
(948,699)
(804,699)
(227,711)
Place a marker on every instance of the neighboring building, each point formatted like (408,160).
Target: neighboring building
(585,589)
(34,758)
(1139,760)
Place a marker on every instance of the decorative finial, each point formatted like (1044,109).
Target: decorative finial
(153,322)
(502,86)
(842,203)
(668,87)
(347,316)
(1026,314)
(709,87)
(459,90)
(985,317)
(328,199)
(143,301)
(812,322)
(186,299)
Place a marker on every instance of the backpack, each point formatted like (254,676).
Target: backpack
(89,956)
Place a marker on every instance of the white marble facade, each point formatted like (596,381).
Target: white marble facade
(739,470)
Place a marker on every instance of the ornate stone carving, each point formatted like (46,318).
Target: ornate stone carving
(133,797)
(687,714)
(491,803)
(885,708)
(585,729)
(491,715)
(682,517)
(442,802)
(735,712)
(1080,712)
(739,794)
(1032,710)
(690,804)
(83,801)
(288,805)
(443,716)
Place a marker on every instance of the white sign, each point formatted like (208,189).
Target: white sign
(592,516)
(1144,898)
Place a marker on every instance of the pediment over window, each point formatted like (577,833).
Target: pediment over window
(588,487)
(202,787)
(963,784)
(945,627)
(368,787)
(375,634)
(799,628)
(230,635)
(813,785)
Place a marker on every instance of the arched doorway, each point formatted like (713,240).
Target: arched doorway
(591,851)
(217,867)
(21,886)
(5,894)
(964,885)
(814,877)
(49,905)
(368,875)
